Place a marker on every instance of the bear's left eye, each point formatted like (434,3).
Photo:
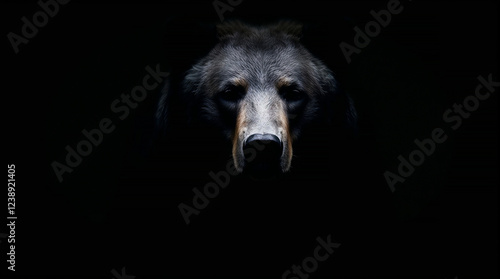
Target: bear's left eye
(232,93)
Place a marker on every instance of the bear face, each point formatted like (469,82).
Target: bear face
(261,87)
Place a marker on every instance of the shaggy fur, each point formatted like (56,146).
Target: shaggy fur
(261,80)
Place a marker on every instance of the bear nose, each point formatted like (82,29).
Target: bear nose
(270,145)
(267,152)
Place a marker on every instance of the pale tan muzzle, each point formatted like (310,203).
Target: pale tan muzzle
(262,126)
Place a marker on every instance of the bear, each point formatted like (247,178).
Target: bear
(259,87)
(257,155)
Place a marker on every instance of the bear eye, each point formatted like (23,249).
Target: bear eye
(292,94)
(232,93)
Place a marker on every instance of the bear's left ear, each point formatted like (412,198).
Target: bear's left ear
(288,28)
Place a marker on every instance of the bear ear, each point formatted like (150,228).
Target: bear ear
(232,28)
(289,28)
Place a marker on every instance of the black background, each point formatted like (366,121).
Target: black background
(114,211)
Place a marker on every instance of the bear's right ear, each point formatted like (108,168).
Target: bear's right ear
(232,28)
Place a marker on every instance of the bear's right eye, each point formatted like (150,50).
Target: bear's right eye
(292,94)
(232,93)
